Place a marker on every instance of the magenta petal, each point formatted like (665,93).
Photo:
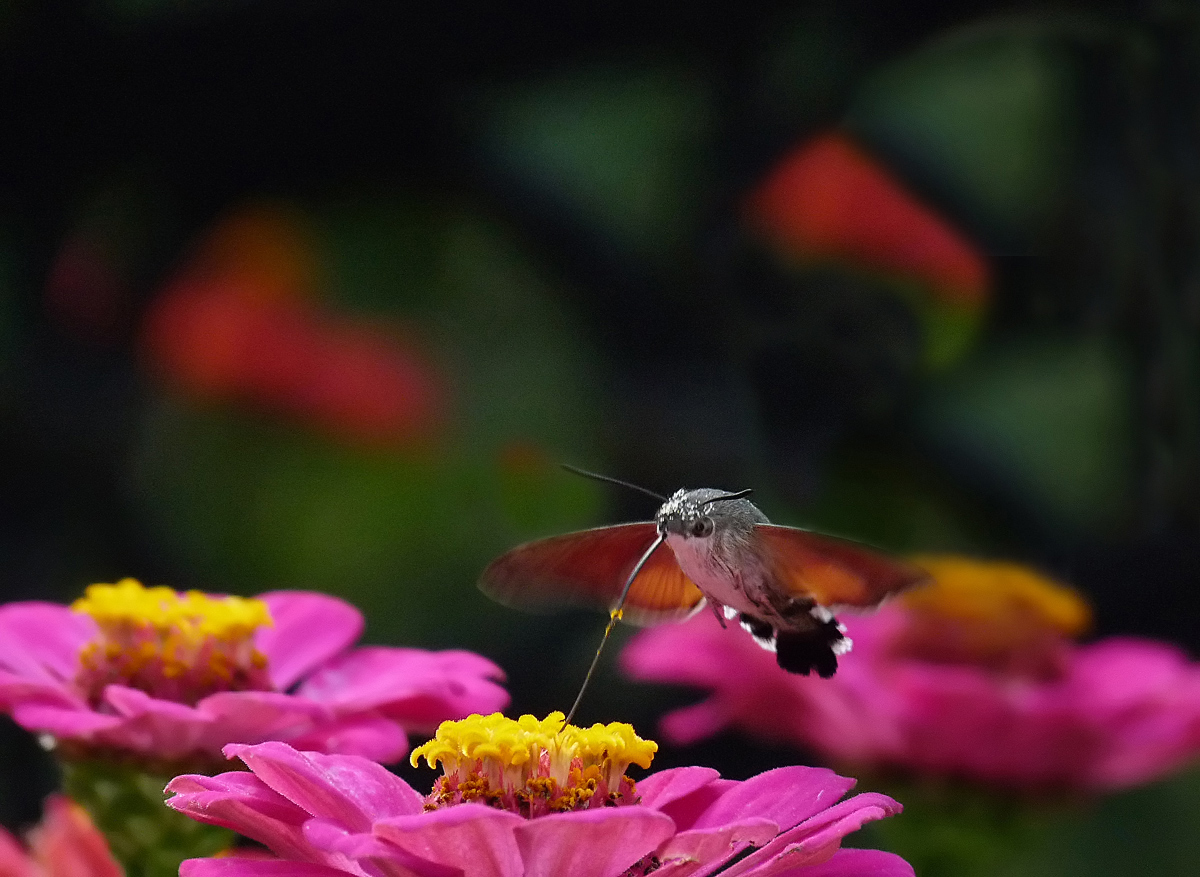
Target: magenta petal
(691,724)
(689,852)
(385,858)
(16,689)
(242,802)
(65,723)
(349,791)
(231,784)
(858,863)
(163,727)
(665,786)
(590,843)
(237,867)
(335,838)
(686,809)
(476,839)
(308,630)
(14,861)
(257,716)
(826,830)
(367,736)
(128,702)
(419,688)
(41,641)
(786,795)
(815,839)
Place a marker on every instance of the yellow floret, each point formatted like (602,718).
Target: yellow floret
(976,591)
(192,616)
(176,646)
(518,742)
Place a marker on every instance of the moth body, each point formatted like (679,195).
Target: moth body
(715,544)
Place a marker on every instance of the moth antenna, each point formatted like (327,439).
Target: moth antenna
(741,494)
(613,617)
(616,481)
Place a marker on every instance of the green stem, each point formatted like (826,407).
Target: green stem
(148,838)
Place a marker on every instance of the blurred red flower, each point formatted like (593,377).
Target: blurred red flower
(64,844)
(829,200)
(239,324)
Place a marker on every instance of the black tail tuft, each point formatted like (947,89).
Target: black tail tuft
(805,651)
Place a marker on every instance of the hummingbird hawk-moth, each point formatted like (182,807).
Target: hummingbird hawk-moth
(783,584)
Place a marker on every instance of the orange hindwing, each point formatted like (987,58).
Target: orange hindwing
(834,572)
(589,568)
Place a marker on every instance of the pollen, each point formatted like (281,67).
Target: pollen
(533,766)
(179,647)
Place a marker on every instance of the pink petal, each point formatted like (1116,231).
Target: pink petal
(826,830)
(243,803)
(16,689)
(162,727)
(174,730)
(785,795)
(692,653)
(65,723)
(335,838)
(128,702)
(42,641)
(419,688)
(686,809)
(349,791)
(476,839)
(689,852)
(692,724)
(257,716)
(234,866)
(309,629)
(590,843)
(1120,671)
(194,792)
(14,861)
(366,849)
(67,844)
(815,840)
(857,863)
(661,788)
(367,736)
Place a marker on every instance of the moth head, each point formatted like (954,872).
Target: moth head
(697,514)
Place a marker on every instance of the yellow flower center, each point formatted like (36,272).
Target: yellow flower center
(995,613)
(179,647)
(533,766)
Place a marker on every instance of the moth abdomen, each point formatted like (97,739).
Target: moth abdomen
(814,648)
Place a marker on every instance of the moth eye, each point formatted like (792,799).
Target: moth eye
(702,527)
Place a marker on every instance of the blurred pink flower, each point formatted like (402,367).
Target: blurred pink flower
(327,816)
(64,844)
(173,690)
(932,692)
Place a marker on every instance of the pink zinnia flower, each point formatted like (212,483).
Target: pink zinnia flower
(174,677)
(974,677)
(65,844)
(530,798)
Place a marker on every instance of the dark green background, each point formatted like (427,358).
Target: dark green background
(550,196)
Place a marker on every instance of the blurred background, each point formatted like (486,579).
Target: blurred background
(318,295)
